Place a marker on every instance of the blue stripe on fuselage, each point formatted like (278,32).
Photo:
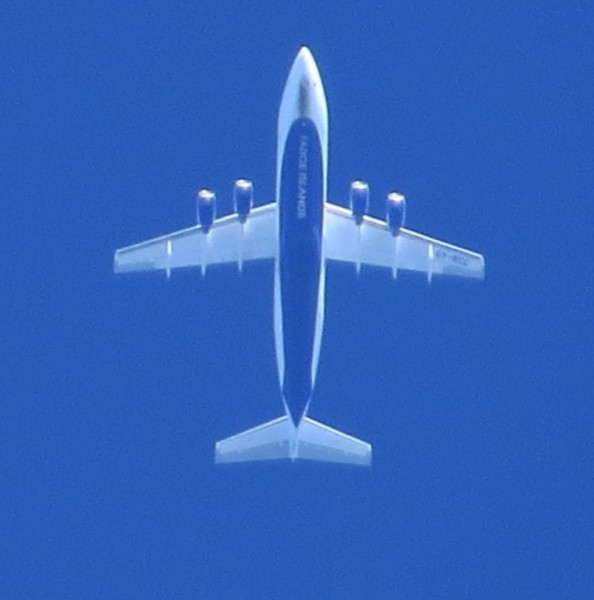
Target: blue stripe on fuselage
(301,206)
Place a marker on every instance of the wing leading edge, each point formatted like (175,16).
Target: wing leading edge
(372,243)
(228,241)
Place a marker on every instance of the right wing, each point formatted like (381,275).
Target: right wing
(372,243)
(228,241)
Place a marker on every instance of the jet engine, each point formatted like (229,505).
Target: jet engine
(395,212)
(359,200)
(243,198)
(205,209)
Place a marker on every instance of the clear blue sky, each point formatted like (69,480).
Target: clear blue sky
(477,397)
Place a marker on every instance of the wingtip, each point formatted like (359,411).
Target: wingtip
(116,263)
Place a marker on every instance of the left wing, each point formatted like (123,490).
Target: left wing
(372,243)
(228,241)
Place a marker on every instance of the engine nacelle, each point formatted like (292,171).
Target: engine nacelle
(395,212)
(243,198)
(359,200)
(205,209)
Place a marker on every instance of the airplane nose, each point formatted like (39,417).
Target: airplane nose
(305,58)
(304,78)
(304,69)
(303,96)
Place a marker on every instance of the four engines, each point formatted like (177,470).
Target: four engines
(243,200)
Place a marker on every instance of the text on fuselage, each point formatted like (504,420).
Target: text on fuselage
(302,177)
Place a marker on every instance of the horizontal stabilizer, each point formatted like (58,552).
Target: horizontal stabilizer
(320,442)
(280,439)
(269,441)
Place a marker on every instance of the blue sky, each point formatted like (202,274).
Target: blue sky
(477,397)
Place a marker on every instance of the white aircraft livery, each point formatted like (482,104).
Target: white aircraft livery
(301,231)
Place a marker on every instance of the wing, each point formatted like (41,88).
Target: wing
(228,241)
(372,243)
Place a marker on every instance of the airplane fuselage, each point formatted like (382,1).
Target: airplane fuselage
(301,194)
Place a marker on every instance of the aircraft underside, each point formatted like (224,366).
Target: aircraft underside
(298,233)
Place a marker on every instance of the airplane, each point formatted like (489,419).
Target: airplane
(301,232)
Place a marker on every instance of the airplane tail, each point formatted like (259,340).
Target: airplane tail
(280,439)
